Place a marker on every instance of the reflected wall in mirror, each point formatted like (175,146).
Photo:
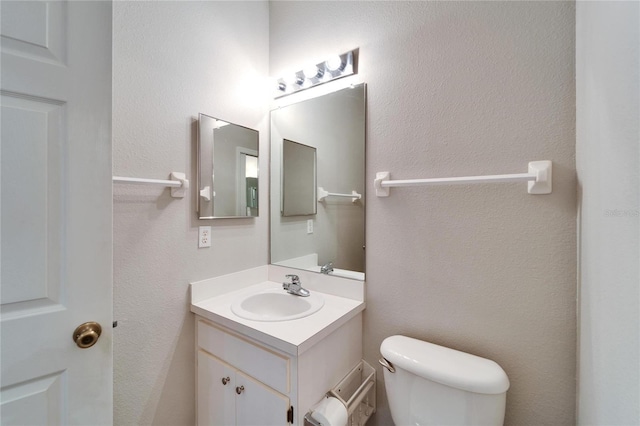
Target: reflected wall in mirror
(227,169)
(298,179)
(333,124)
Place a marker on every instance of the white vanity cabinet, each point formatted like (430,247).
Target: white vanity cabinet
(241,381)
(264,373)
(228,391)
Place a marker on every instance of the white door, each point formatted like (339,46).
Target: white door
(56,209)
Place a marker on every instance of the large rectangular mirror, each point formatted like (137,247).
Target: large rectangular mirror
(227,169)
(325,234)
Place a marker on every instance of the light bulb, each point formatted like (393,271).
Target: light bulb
(335,63)
(289,79)
(293,79)
(312,71)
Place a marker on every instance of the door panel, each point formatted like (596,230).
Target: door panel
(259,405)
(36,402)
(55,177)
(31,172)
(35,29)
(216,401)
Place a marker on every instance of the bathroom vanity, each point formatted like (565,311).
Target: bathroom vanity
(272,371)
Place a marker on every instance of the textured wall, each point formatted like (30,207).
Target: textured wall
(607,159)
(464,88)
(172,60)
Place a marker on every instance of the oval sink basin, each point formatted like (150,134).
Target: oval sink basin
(276,305)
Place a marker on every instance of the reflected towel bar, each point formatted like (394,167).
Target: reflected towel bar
(538,178)
(322,194)
(178,183)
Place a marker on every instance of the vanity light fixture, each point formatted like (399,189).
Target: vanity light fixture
(333,68)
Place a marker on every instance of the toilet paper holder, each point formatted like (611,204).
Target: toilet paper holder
(310,421)
(357,391)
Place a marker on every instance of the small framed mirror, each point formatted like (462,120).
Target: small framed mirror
(227,169)
(298,179)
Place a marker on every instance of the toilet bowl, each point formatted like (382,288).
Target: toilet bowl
(428,384)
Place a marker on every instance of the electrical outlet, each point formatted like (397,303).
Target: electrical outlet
(204,236)
(310,226)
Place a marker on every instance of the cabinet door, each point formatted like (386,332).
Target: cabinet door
(216,392)
(258,404)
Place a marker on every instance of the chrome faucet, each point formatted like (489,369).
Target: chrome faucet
(294,287)
(325,269)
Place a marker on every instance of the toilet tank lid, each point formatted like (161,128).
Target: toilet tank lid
(447,366)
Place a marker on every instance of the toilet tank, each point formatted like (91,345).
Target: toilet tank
(434,385)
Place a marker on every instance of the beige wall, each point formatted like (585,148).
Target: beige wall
(464,88)
(172,60)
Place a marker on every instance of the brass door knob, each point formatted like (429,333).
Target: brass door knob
(225,380)
(239,389)
(87,334)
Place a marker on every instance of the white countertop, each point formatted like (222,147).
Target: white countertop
(293,337)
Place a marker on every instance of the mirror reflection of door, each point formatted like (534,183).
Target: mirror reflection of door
(247,182)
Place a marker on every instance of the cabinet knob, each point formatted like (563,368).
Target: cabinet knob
(239,389)
(225,380)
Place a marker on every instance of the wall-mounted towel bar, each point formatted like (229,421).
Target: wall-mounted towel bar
(538,178)
(322,194)
(178,183)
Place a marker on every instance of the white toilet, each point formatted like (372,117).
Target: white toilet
(428,384)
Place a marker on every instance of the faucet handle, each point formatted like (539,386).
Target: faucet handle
(294,278)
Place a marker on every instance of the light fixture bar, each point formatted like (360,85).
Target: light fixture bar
(332,69)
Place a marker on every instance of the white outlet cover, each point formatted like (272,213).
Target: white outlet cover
(204,236)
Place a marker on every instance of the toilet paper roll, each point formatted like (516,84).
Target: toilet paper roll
(330,412)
